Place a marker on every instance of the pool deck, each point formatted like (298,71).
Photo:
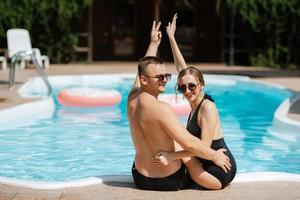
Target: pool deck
(114,190)
(127,191)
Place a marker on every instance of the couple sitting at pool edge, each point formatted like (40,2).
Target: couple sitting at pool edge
(168,155)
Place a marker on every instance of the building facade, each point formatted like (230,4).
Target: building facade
(120,30)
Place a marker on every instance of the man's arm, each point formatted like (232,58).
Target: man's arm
(177,56)
(152,48)
(173,127)
(209,122)
(155,39)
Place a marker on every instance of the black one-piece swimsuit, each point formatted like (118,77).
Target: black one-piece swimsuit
(209,166)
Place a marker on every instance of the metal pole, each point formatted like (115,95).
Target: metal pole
(90,33)
(12,71)
(231,48)
(36,59)
(156,10)
(38,65)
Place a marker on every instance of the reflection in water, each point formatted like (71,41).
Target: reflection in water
(90,115)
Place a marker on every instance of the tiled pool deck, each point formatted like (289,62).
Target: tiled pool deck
(114,190)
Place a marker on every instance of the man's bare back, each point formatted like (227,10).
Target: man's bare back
(148,136)
(151,131)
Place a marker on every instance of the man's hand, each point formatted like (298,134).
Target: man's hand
(155,39)
(171,28)
(156,33)
(222,160)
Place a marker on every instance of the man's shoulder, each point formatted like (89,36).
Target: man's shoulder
(163,104)
(164,108)
(134,92)
(156,107)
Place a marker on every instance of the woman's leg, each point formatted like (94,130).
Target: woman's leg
(198,174)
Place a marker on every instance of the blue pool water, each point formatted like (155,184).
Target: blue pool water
(77,143)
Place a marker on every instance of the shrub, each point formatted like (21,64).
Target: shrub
(276,25)
(50,24)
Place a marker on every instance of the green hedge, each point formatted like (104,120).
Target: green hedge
(276,28)
(49,22)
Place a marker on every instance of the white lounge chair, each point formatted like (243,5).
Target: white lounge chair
(18,40)
(20,50)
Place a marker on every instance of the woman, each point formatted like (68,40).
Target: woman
(203,122)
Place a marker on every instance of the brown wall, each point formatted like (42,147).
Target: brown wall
(102,29)
(208,40)
(206,43)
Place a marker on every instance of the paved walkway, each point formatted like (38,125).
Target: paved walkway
(252,190)
(127,191)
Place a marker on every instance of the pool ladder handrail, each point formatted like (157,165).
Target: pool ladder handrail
(36,59)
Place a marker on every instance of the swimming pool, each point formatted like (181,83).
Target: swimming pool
(50,142)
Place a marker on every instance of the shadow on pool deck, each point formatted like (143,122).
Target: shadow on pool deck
(294,111)
(123,191)
(251,190)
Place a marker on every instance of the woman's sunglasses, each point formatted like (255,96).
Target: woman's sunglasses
(183,87)
(161,77)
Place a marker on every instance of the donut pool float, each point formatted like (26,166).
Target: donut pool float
(88,97)
(180,105)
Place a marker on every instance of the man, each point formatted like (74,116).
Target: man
(154,127)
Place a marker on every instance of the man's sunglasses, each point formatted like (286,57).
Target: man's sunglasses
(191,86)
(161,77)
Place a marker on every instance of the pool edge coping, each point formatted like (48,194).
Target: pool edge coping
(281,121)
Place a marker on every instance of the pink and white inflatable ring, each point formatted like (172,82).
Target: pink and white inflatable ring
(89,97)
(180,105)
